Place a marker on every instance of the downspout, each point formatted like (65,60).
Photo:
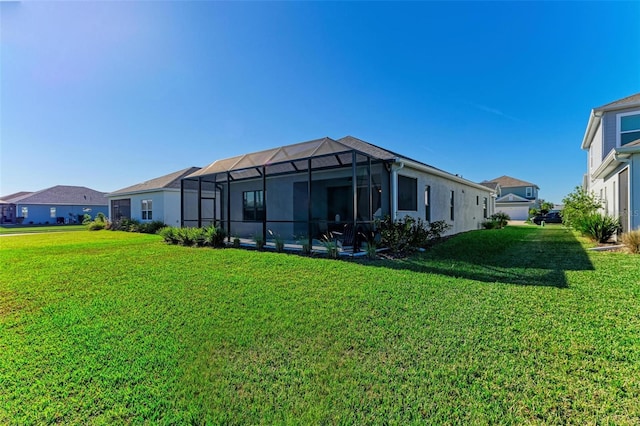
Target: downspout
(395,166)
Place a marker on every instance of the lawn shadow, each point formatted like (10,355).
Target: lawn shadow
(521,255)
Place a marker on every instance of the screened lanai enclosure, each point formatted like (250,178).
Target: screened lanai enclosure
(297,193)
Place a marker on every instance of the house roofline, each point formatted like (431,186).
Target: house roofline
(613,160)
(596,116)
(594,121)
(146,191)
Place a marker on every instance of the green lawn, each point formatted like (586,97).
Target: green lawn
(520,325)
(30,229)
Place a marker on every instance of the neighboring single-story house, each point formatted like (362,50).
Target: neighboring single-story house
(156,199)
(305,190)
(612,139)
(515,197)
(8,207)
(58,204)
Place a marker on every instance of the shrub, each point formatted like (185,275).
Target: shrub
(86,219)
(578,205)
(501,219)
(187,236)
(408,234)
(259,241)
(278,241)
(437,228)
(631,240)
(151,227)
(330,244)
(169,234)
(599,227)
(303,240)
(214,236)
(95,225)
(490,224)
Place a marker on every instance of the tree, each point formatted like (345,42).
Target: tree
(578,206)
(545,206)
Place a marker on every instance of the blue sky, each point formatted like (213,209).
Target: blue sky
(109,94)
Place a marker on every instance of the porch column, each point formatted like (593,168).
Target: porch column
(264,200)
(199,202)
(181,203)
(354,188)
(229,205)
(309,215)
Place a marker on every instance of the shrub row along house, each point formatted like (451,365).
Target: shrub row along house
(306,190)
(612,140)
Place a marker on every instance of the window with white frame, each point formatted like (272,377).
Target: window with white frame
(628,127)
(427,203)
(529,191)
(52,212)
(25,212)
(147,210)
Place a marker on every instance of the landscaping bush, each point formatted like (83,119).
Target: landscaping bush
(99,223)
(408,234)
(190,236)
(96,225)
(169,234)
(500,219)
(599,227)
(631,241)
(214,236)
(578,206)
(151,227)
(490,224)
(133,225)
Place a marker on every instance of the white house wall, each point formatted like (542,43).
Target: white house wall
(171,207)
(468,201)
(595,151)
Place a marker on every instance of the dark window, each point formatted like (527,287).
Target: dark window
(121,209)
(484,207)
(427,203)
(253,206)
(407,193)
(452,201)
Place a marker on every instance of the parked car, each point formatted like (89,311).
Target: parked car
(553,216)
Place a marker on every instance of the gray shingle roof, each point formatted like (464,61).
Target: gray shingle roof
(12,198)
(509,182)
(172,180)
(621,103)
(65,195)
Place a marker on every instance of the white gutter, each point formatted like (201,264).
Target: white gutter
(395,166)
(594,121)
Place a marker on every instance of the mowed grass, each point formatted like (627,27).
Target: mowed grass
(30,229)
(515,326)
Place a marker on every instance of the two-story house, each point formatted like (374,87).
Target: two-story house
(612,140)
(515,197)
